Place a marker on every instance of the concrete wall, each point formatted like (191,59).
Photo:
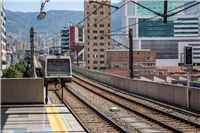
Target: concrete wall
(27,90)
(160,91)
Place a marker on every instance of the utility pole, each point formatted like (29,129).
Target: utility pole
(131,53)
(77,53)
(32,50)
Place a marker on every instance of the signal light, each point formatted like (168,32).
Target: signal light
(188,52)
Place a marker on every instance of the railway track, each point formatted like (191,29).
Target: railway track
(94,120)
(161,118)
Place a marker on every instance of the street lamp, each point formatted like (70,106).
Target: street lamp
(42,14)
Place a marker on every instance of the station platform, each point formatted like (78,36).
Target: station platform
(38,118)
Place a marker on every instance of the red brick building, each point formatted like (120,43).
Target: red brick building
(144,61)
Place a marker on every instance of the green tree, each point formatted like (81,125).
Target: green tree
(12,73)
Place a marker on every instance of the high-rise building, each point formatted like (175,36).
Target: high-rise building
(167,39)
(96,46)
(3,37)
(65,38)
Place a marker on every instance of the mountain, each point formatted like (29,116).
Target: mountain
(19,23)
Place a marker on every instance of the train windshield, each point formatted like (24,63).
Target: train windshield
(58,66)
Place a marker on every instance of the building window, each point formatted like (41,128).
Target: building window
(138,57)
(101,56)
(115,57)
(95,25)
(101,6)
(95,31)
(101,50)
(88,25)
(101,37)
(127,57)
(94,6)
(138,53)
(101,31)
(95,56)
(88,37)
(95,12)
(95,37)
(108,48)
(95,62)
(88,43)
(109,25)
(88,49)
(88,19)
(127,53)
(95,50)
(88,13)
(150,58)
(101,19)
(101,25)
(108,19)
(109,31)
(108,13)
(101,12)
(95,19)
(88,31)
(115,53)
(108,43)
(88,55)
(149,52)
(101,62)
(87,6)
(101,44)
(89,67)
(88,62)
(94,44)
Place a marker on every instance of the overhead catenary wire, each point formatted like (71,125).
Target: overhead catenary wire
(128,25)
(79,22)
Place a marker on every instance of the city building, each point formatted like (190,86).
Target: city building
(8,56)
(65,38)
(144,61)
(77,42)
(3,37)
(167,39)
(96,46)
(21,46)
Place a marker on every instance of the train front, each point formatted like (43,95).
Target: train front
(58,69)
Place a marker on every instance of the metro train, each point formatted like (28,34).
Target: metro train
(56,68)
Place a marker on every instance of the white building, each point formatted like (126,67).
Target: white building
(167,39)
(3,37)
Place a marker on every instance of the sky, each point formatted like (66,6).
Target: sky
(34,5)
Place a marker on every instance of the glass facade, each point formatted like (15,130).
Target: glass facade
(157,28)
(157,6)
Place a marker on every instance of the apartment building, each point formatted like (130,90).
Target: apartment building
(3,37)
(96,46)
(144,61)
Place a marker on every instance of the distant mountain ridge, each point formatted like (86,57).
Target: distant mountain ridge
(19,23)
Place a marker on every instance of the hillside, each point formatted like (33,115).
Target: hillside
(19,23)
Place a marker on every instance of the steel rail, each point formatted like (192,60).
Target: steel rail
(72,112)
(181,109)
(143,105)
(115,125)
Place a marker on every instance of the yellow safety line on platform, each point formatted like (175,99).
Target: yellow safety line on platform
(55,120)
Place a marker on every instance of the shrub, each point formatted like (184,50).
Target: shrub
(12,73)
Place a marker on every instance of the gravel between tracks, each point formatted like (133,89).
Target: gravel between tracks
(53,98)
(101,105)
(156,106)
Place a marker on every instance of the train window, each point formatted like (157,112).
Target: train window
(58,66)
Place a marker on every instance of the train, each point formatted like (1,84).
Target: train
(56,68)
